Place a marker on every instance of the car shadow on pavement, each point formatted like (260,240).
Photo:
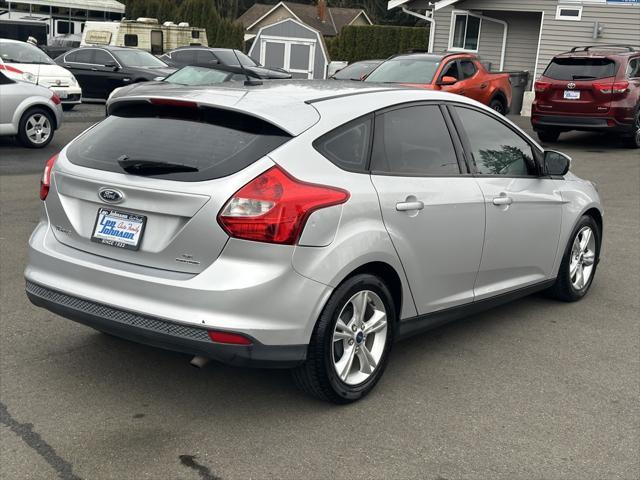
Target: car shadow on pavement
(166,381)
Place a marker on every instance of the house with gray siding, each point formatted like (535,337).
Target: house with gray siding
(524,35)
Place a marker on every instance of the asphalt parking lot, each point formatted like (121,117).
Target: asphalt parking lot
(532,390)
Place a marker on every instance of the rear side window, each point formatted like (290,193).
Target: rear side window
(80,56)
(215,142)
(348,145)
(413,141)
(580,68)
(633,70)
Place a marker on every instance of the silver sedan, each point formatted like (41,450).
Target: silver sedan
(305,225)
(30,112)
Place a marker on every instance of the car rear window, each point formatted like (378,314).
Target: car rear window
(580,68)
(215,142)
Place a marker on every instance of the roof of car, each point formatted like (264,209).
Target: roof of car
(287,104)
(601,51)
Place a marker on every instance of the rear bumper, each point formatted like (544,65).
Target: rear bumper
(161,333)
(566,122)
(251,289)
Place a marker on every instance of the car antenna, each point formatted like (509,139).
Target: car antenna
(248,82)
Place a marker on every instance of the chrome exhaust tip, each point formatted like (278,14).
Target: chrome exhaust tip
(199,362)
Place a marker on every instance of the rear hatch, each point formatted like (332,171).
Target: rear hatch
(145,185)
(577,85)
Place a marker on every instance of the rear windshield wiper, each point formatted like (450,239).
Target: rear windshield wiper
(151,167)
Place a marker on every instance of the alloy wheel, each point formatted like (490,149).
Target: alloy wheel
(38,128)
(583,255)
(359,337)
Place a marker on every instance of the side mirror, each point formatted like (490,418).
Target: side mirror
(556,163)
(447,80)
(112,66)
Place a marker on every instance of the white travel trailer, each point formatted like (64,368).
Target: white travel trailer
(144,33)
(47,19)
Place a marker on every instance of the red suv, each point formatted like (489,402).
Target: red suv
(593,88)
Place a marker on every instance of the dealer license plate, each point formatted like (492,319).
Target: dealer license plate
(119,229)
(571,95)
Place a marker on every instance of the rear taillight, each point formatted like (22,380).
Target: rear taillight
(56,99)
(274,207)
(45,181)
(542,87)
(228,338)
(612,88)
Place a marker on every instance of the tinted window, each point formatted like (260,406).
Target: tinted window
(204,57)
(496,149)
(81,56)
(195,33)
(184,56)
(130,40)
(634,68)
(468,68)
(216,142)
(355,71)
(413,140)
(348,145)
(580,68)
(405,70)
(102,58)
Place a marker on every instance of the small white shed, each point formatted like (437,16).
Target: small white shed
(291,45)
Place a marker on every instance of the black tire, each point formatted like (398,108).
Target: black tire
(67,107)
(563,289)
(317,376)
(23,129)
(548,135)
(498,105)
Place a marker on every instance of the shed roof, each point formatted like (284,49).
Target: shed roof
(336,17)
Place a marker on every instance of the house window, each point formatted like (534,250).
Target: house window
(465,32)
(569,13)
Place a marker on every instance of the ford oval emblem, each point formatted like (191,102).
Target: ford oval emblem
(111,195)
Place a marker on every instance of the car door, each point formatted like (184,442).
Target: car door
(471,82)
(432,208)
(80,63)
(523,207)
(11,94)
(451,69)
(108,73)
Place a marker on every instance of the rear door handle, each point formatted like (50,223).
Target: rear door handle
(502,200)
(408,206)
(93,69)
(484,85)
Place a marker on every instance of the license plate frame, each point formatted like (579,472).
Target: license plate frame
(572,94)
(130,220)
(61,93)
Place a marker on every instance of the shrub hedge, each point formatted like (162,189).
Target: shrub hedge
(376,41)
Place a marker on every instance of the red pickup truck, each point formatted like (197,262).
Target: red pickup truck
(460,73)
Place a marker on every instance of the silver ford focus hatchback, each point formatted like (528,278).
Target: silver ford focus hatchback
(304,225)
